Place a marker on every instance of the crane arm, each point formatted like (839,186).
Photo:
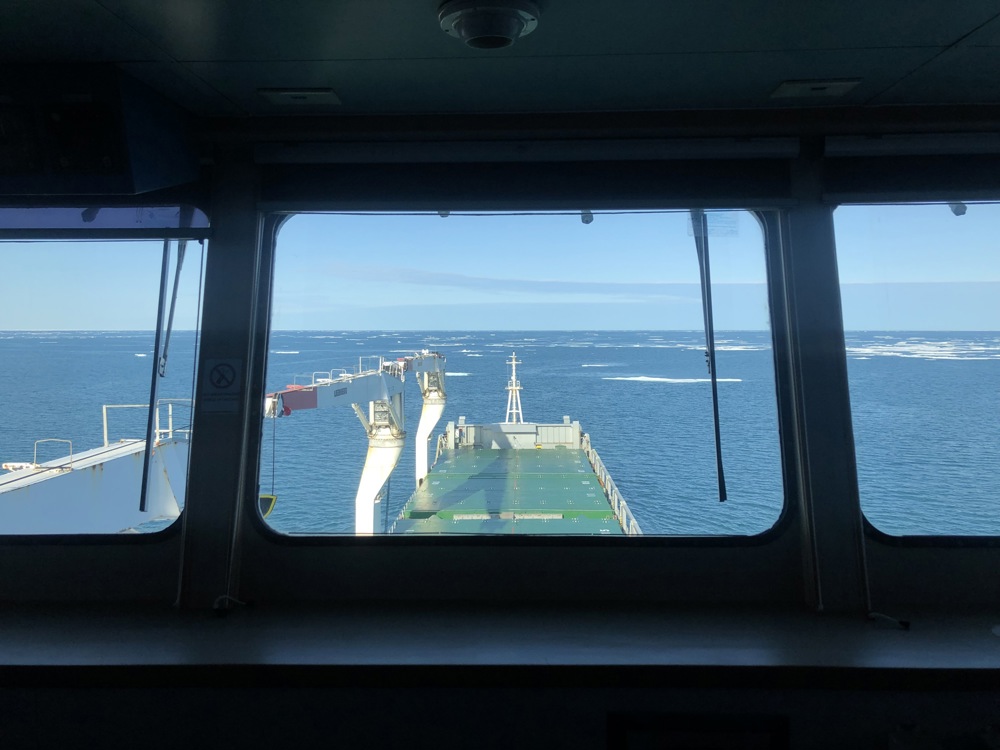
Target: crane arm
(329,389)
(381,390)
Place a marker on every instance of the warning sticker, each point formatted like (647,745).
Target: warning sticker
(221,385)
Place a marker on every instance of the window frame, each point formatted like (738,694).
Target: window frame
(767,219)
(199,232)
(919,541)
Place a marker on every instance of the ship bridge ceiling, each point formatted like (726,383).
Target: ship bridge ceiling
(230,58)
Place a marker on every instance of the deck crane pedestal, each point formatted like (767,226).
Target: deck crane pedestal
(429,368)
(375,392)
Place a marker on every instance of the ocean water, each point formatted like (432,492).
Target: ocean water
(926,411)
(644,398)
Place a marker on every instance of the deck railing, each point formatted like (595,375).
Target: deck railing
(160,433)
(442,446)
(34,459)
(172,430)
(621,510)
(365,366)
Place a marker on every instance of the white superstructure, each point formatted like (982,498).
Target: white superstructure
(98,491)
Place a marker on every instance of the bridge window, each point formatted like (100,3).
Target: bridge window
(920,285)
(78,355)
(605,429)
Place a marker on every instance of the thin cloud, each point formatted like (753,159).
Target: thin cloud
(417,277)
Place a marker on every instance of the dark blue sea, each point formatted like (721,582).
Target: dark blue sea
(926,411)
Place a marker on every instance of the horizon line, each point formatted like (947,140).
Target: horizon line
(496,330)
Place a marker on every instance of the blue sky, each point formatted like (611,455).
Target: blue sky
(103,286)
(516,272)
(914,267)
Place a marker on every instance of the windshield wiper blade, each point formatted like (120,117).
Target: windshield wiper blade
(699,225)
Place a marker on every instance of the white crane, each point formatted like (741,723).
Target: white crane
(378,387)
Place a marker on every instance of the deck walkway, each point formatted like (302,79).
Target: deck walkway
(475,490)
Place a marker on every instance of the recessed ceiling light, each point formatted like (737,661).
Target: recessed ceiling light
(300,96)
(813,89)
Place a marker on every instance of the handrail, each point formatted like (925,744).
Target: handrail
(366,366)
(168,433)
(158,432)
(34,459)
(442,445)
(104,415)
(618,505)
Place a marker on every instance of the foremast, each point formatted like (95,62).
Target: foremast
(514,415)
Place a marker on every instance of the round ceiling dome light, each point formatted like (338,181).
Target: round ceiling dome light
(483,24)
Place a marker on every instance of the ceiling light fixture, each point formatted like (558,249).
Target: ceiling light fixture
(483,24)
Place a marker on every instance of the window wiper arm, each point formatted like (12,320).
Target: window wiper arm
(699,225)
(153,387)
(185,221)
(181,249)
(160,369)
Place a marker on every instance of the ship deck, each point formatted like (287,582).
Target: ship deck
(477,490)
